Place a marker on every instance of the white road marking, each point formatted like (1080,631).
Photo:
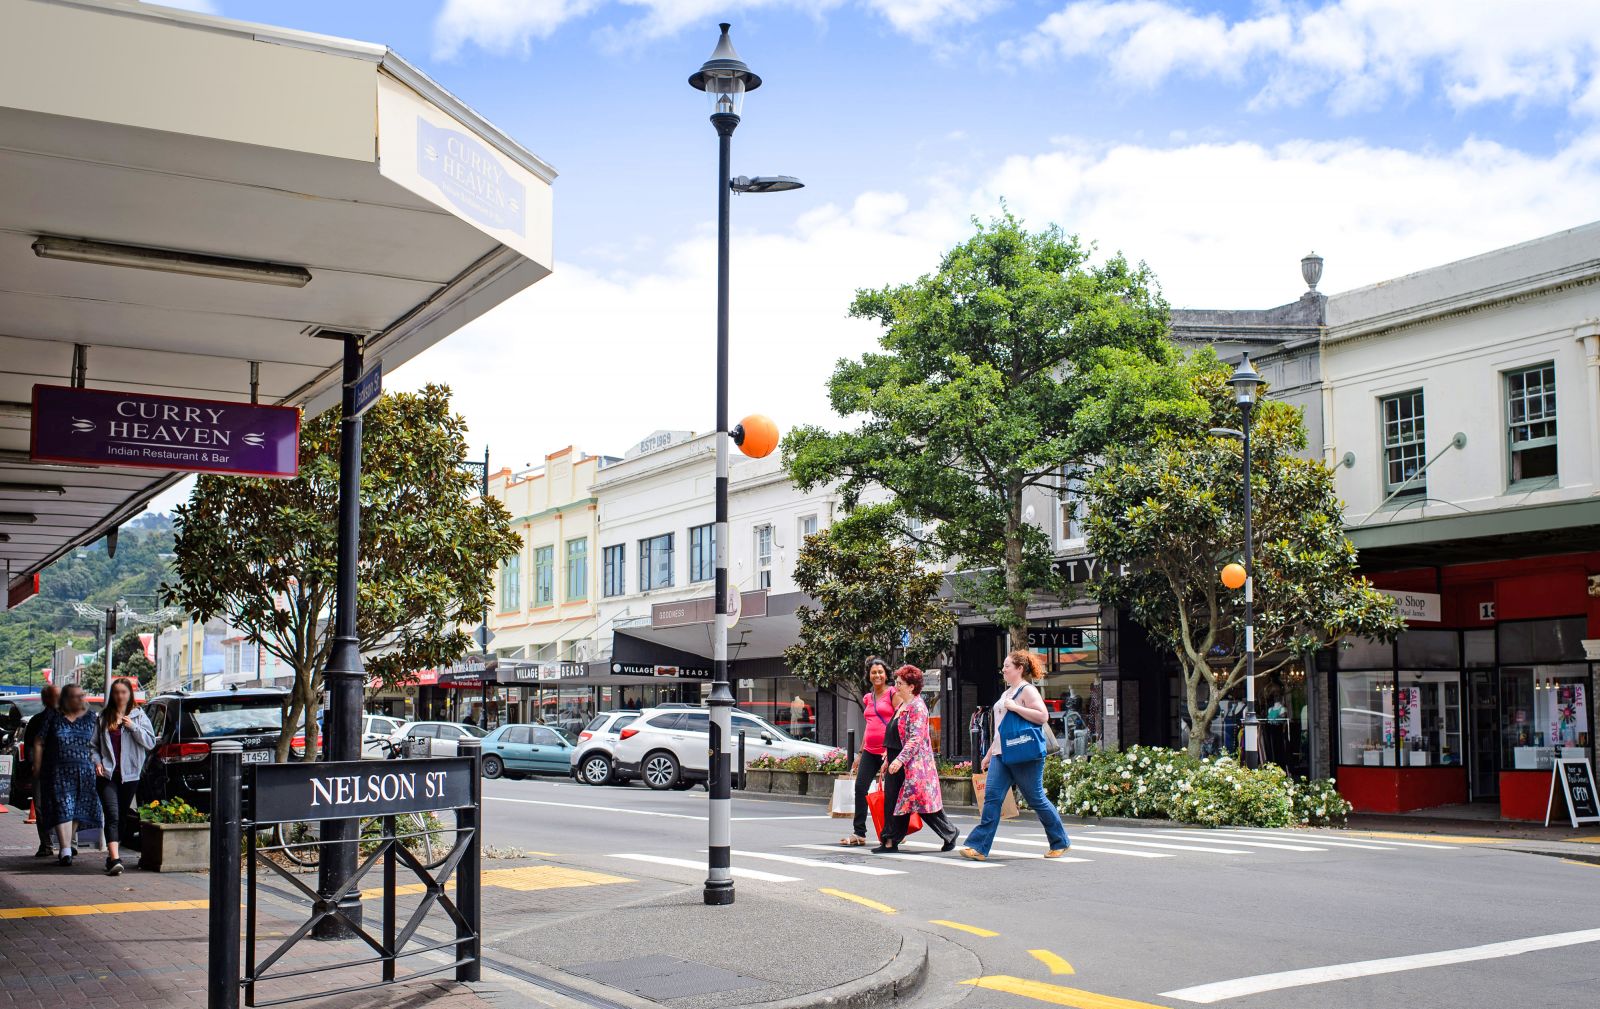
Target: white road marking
(952,863)
(997,853)
(1098,851)
(1384,841)
(814,816)
(1313,838)
(817,863)
(603,809)
(1207,837)
(1170,847)
(770,877)
(1220,990)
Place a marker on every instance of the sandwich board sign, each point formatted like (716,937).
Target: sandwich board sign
(1573,780)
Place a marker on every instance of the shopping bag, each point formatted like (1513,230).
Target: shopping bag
(875,809)
(844,797)
(1008,807)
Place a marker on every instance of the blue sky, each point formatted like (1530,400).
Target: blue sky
(1217,141)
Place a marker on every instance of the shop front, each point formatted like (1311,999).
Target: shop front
(1488,686)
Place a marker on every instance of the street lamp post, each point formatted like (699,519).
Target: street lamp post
(1246,382)
(725,79)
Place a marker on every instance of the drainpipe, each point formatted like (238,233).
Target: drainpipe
(1589,335)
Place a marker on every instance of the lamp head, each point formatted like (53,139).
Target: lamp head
(724,78)
(756,436)
(1246,382)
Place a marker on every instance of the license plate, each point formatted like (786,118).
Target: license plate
(258,756)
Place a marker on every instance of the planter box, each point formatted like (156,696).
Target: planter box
(793,782)
(175,847)
(758,781)
(957,791)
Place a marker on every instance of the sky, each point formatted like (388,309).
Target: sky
(1218,142)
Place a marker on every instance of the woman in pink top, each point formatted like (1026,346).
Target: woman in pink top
(877,707)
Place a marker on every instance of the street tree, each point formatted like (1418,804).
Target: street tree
(873,598)
(262,553)
(128,660)
(1003,371)
(1167,507)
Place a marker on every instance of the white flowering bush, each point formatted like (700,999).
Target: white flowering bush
(1155,783)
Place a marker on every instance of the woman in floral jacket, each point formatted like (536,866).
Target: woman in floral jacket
(912,776)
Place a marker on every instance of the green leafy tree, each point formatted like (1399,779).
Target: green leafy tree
(1169,508)
(262,554)
(870,591)
(128,659)
(1015,362)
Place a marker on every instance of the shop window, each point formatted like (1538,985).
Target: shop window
(615,571)
(764,556)
(702,553)
(808,527)
(1478,647)
(1529,641)
(655,563)
(511,583)
(1365,653)
(1531,420)
(1366,718)
(1429,650)
(544,575)
(1428,727)
(1404,447)
(577,569)
(1545,715)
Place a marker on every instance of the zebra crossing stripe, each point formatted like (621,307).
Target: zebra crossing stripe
(949,863)
(1112,839)
(684,863)
(865,870)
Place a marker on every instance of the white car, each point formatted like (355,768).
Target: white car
(670,747)
(442,737)
(376,731)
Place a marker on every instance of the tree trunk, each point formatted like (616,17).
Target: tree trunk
(1013,572)
(313,740)
(290,720)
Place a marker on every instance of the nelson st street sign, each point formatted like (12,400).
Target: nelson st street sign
(101,427)
(321,790)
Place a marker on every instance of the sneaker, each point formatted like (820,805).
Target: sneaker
(114,867)
(1055,853)
(974,854)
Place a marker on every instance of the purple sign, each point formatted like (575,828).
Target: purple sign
(104,428)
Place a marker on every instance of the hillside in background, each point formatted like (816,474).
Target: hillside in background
(30,633)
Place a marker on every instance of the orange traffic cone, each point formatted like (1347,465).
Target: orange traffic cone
(33,813)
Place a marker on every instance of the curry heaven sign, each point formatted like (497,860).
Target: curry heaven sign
(100,427)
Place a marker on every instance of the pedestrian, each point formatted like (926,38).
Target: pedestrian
(911,779)
(49,697)
(66,744)
(1020,706)
(123,741)
(877,707)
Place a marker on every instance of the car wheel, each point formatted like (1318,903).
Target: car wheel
(492,767)
(595,770)
(660,770)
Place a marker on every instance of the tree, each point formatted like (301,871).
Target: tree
(1168,507)
(128,659)
(1001,372)
(262,553)
(871,592)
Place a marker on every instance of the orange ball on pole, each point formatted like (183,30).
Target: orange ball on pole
(756,436)
(1233,576)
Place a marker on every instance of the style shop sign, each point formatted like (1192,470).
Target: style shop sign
(355,788)
(101,427)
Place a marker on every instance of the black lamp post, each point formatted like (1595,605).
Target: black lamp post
(1246,382)
(725,79)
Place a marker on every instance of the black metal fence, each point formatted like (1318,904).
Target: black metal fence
(288,802)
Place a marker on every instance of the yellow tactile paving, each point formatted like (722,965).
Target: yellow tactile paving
(528,877)
(73,910)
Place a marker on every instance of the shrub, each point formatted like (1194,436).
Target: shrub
(834,763)
(955,769)
(801,763)
(171,811)
(1156,783)
(765,762)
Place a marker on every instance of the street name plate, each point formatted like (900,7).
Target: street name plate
(369,387)
(352,788)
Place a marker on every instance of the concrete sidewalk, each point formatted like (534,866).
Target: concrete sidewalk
(555,936)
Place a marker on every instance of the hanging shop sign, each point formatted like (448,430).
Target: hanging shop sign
(1083,569)
(648,669)
(704,609)
(1416,606)
(100,427)
(1056,637)
(1573,780)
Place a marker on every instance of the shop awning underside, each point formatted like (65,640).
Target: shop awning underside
(169,131)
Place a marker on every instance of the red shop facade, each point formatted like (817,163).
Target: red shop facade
(1488,685)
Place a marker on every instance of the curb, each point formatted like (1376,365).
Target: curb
(818,800)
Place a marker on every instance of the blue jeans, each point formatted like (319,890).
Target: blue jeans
(1029,779)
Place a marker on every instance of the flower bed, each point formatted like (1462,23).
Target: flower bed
(1154,783)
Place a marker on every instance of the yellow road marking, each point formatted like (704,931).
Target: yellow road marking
(1049,959)
(1579,861)
(863,901)
(975,930)
(1590,839)
(74,910)
(1440,838)
(1074,998)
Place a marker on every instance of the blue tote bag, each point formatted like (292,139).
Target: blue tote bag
(1021,741)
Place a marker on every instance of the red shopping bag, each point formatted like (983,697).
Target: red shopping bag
(875,808)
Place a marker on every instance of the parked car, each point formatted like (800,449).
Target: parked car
(669,748)
(517,751)
(592,761)
(442,736)
(187,724)
(376,733)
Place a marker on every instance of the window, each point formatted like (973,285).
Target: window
(517,735)
(543,735)
(511,584)
(1070,508)
(544,575)
(1404,449)
(764,556)
(1366,718)
(702,553)
(615,575)
(655,563)
(694,721)
(577,569)
(1531,417)
(666,723)
(808,527)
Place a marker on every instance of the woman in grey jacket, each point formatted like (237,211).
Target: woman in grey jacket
(123,739)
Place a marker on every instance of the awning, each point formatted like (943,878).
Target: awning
(277,154)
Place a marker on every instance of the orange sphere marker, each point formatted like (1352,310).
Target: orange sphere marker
(757,436)
(1233,576)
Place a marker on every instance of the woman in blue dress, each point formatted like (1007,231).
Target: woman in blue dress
(66,747)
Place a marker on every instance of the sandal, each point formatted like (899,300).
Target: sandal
(852,841)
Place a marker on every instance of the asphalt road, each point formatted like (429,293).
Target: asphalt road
(1139,917)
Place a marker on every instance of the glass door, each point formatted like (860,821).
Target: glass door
(1484,721)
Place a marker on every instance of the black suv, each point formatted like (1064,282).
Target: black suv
(186,724)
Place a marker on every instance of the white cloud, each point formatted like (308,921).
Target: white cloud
(501,26)
(1356,52)
(922,19)
(198,6)
(599,359)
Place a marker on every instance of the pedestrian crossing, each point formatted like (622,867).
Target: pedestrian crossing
(803,862)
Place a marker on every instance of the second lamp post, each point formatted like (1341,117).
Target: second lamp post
(1246,381)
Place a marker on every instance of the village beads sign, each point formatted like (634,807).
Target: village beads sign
(105,428)
(352,788)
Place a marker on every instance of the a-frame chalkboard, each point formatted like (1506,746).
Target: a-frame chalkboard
(1573,780)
